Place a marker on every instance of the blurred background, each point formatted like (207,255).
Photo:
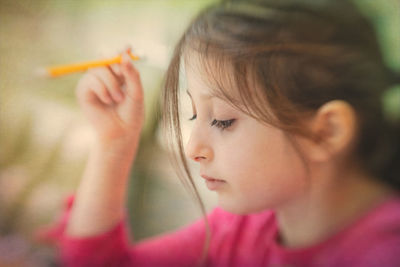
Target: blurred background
(44,139)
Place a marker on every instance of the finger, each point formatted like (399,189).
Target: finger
(132,78)
(110,81)
(127,49)
(99,89)
(116,69)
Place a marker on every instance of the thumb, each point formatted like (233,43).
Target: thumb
(134,87)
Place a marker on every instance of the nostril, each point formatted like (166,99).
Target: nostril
(198,158)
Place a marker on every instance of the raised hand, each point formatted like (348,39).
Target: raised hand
(112,99)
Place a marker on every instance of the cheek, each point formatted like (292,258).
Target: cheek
(264,171)
(260,152)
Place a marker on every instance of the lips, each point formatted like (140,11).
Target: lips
(211,179)
(213,183)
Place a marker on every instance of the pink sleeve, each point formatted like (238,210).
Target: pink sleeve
(385,252)
(180,248)
(108,249)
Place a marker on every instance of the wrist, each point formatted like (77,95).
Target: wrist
(117,147)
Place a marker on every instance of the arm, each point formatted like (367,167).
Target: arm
(101,194)
(117,121)
(92,231)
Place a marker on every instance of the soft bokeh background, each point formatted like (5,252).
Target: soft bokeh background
(44,139)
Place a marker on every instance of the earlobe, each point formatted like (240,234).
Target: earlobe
(333,129)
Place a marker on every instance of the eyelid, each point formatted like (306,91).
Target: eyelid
(222,124)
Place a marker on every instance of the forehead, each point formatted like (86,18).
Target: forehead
(217,76)
(210,76)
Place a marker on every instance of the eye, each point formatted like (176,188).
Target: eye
(222,124)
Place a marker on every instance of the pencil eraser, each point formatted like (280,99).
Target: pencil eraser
(41,72)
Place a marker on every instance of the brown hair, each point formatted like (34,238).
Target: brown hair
(286,59)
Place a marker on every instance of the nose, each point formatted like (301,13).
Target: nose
(198,147)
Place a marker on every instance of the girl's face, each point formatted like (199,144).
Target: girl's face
(257,165)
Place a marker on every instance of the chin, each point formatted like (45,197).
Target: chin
(239,207)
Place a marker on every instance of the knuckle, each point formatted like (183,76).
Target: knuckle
(94,70)
(82,85)
(89,78)
(104,94)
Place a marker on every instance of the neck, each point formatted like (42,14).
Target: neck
(328,208)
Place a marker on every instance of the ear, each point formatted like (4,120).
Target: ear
(333,128)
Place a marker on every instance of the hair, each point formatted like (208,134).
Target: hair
(285,59)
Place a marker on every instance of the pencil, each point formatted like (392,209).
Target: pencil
(60,70)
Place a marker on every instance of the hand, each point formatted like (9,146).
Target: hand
(112,99)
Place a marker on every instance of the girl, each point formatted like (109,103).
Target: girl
(288,130)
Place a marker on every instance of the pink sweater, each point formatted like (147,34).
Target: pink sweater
(236,240)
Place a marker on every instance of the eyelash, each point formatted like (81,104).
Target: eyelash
(218,123)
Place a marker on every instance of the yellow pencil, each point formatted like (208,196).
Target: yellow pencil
(56,71)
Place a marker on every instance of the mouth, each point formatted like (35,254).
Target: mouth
(213,183)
